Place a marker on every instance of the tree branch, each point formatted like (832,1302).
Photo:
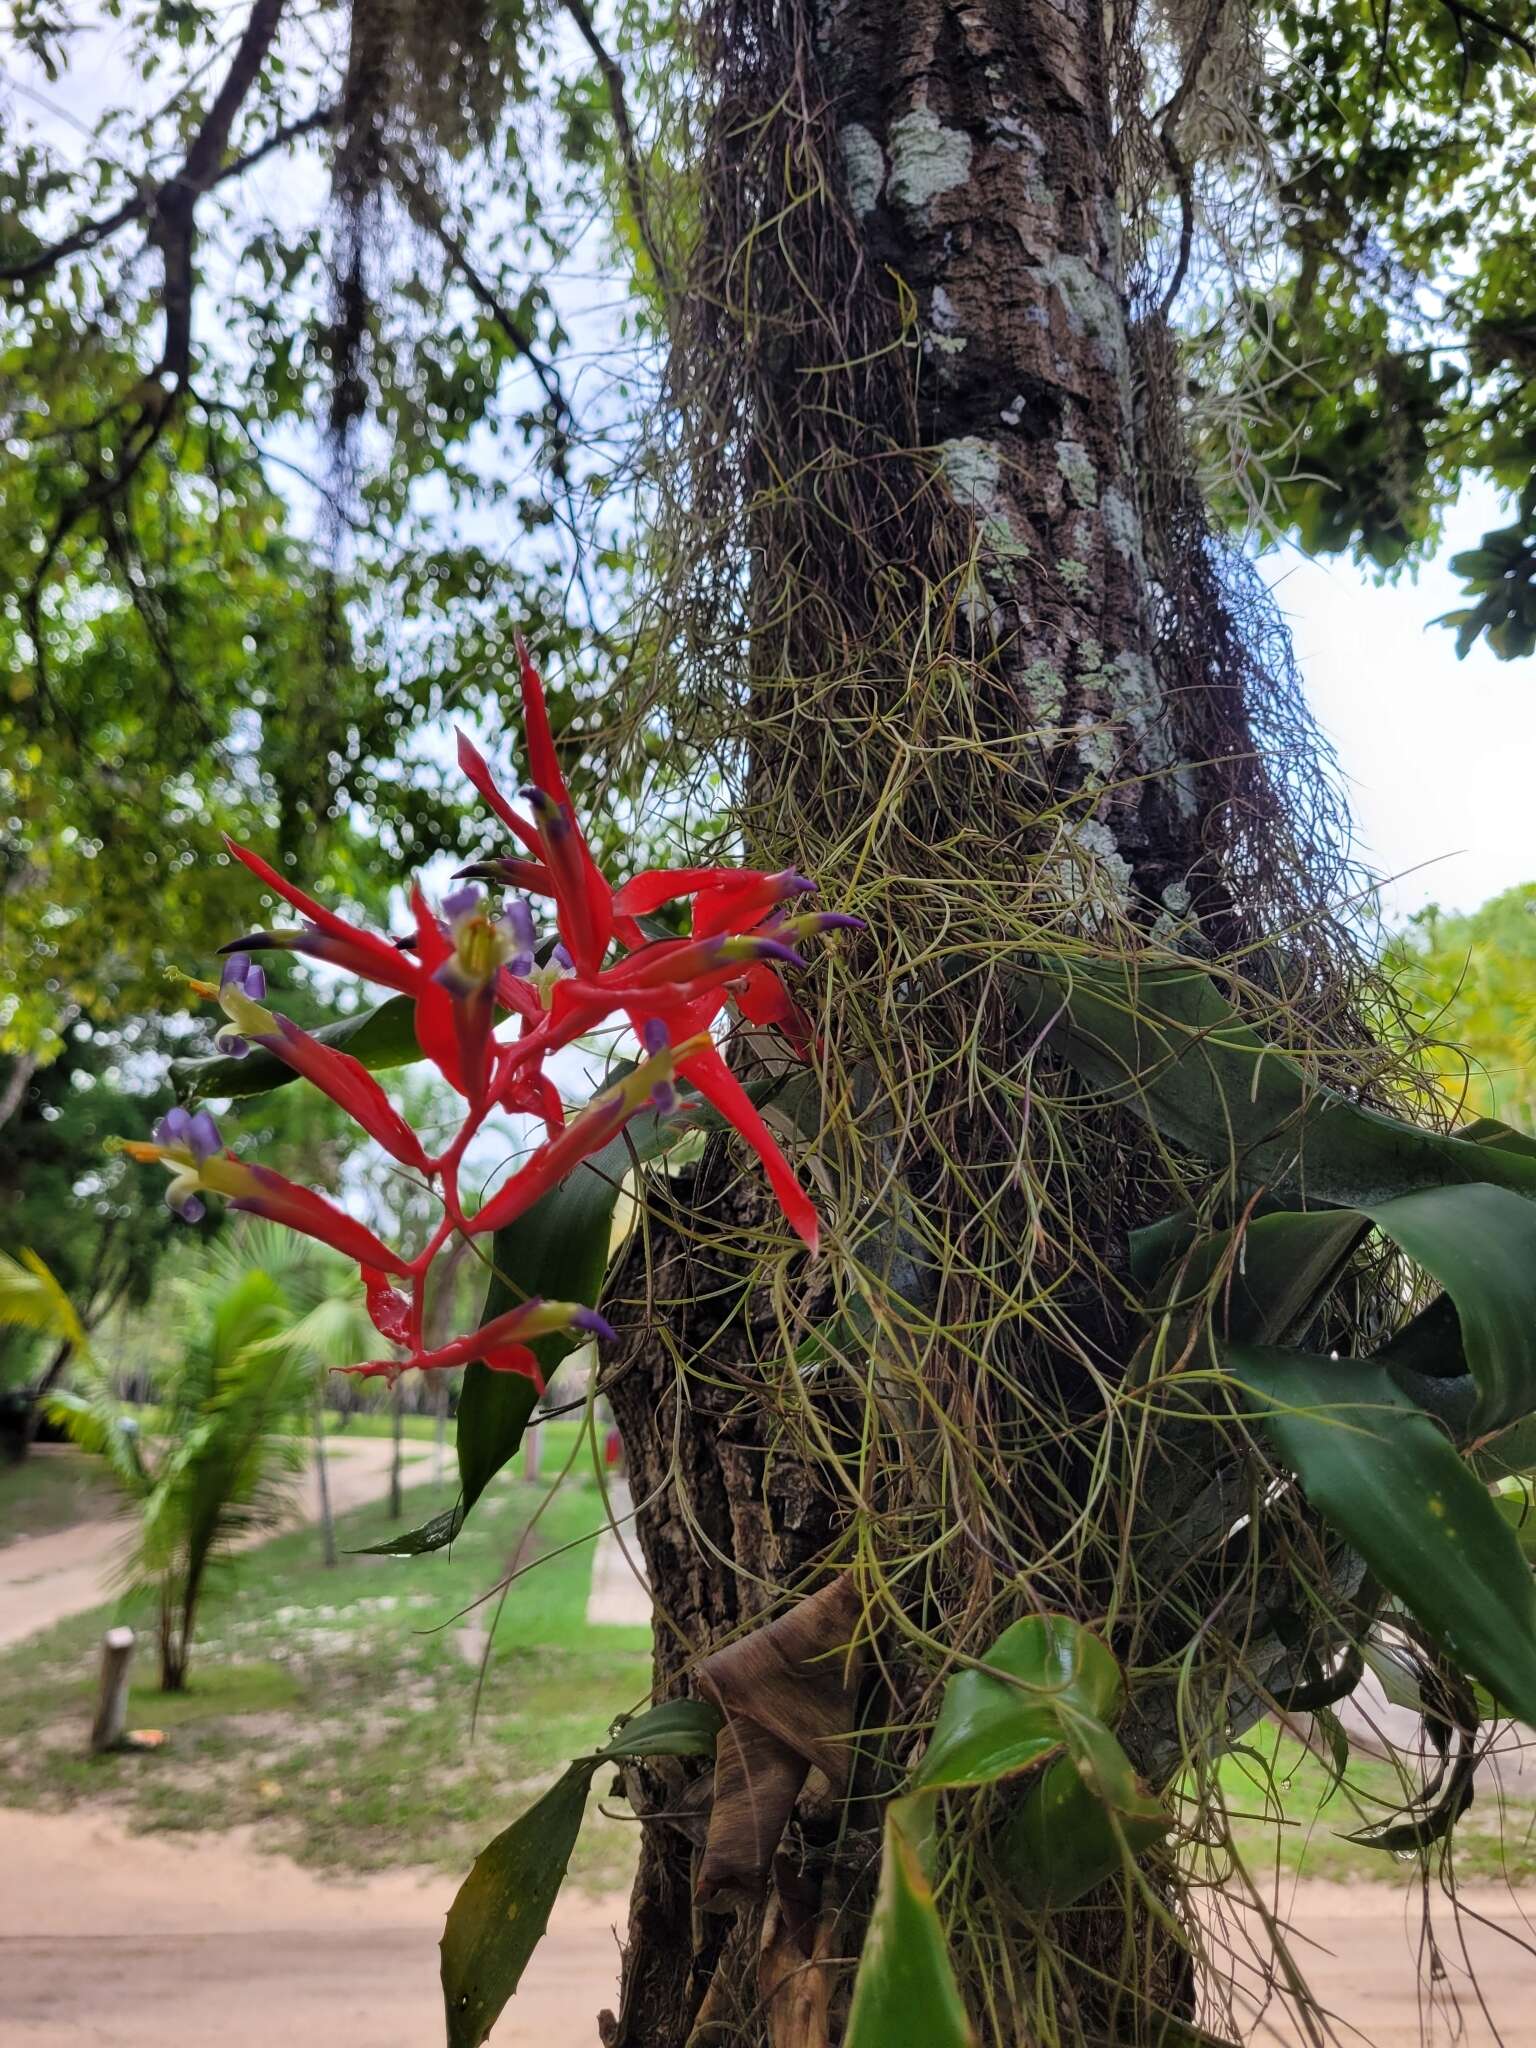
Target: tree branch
(428,216)
(634,180)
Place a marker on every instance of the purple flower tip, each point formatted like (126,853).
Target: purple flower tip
(562,959)
(256,984)
(594,1325)
(461,903)
(174,1128)
(236,967)
(792,884)
(775,949)
(654,1036)
(203,1136)
(663,1097)
(190,1208)
(518,919)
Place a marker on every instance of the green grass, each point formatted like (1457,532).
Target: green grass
(336,1707)
(1293,1814)
(50,1490)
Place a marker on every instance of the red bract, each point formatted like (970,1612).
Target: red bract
(469,963)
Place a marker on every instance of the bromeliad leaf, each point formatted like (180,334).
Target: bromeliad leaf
(1393,1486)
(1479,1242)
(380,1038)
(906,1989)
(503,1906)
(1164,1039)
(991,1726)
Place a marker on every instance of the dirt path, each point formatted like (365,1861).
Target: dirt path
(111,1940)
(44,1578)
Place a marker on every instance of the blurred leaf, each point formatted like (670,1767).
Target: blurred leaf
(502,1908)
(905,1990)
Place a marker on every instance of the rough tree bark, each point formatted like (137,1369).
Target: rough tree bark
(958,154)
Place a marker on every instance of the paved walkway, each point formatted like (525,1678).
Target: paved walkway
(45,1578)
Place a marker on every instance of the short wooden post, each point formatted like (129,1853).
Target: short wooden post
(533,1449)
(111,1724)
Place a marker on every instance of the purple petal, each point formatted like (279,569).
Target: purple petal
(654,1036)
(518,919)
(203,1136)
(190,1208)
(231,1044)
(562,959)
(461,903)
(236,967)
(174,1127)
(663,1097)
(256,984)
(594,1325)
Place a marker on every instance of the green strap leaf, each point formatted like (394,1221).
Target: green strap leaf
(1479,1242)
(502,1908)
(906,1989)
(379,1038)
(1391,1484)
(1163,1039)
(991,1726)
(1088,1816)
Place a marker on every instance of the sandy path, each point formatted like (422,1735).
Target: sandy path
(44,1578)
(110,1940)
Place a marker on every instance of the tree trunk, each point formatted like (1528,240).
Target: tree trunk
(397,1454)
(921,441)
(323,1484)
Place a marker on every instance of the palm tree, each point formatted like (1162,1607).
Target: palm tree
(227,1447)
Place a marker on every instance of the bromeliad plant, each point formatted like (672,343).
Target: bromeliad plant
(466,968)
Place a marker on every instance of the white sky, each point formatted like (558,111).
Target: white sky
(1439,753)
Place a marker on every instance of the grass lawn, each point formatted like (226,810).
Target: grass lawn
(335,1708)
(1273,1777)
(52,1489)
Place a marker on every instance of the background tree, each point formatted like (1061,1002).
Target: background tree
(1470,982)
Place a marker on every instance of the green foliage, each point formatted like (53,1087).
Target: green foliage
(502,1908)
(1470,984)
(1388,354)
(63,1193)
(906,1989)
(1373,1441)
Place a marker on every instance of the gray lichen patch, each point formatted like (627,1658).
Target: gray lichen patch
(1045,692)
(944,336)
(863,168)
(1110,868)
(973,469)
(927,159)
(1075,575)
(1077,469)
(1122,524)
